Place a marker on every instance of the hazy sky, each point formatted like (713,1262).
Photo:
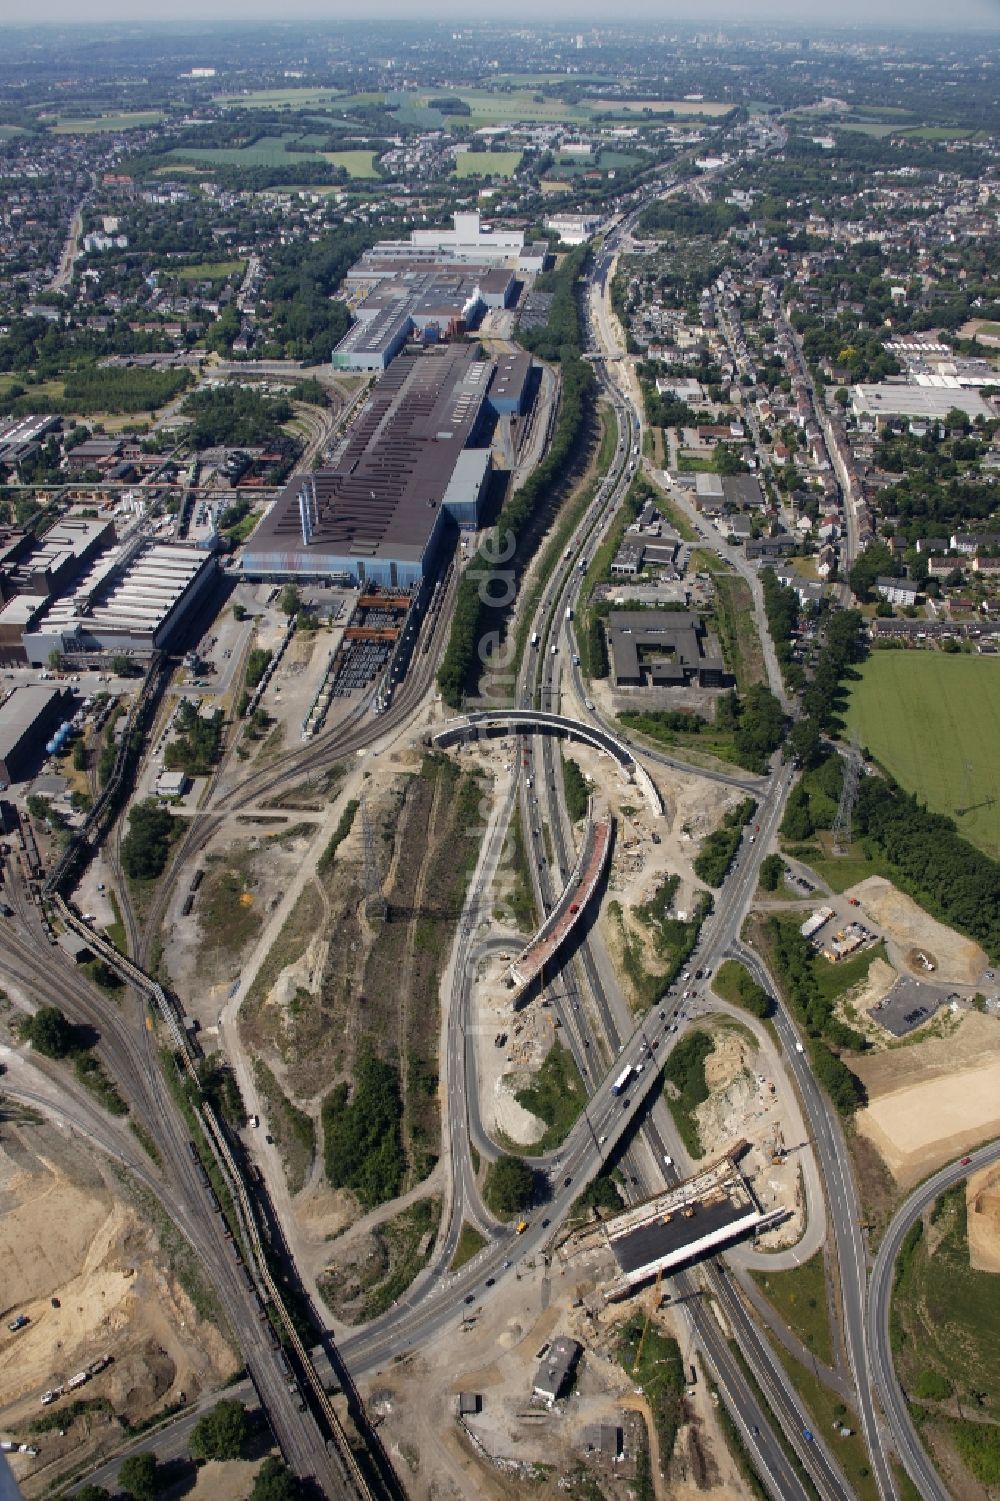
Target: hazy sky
(803,14)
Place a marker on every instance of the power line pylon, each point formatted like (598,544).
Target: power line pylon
(853,763)
(376,907)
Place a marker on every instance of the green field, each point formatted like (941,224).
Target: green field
(933,721)
(355,163)
(945,1322)
(206,270)
(487,163)
(96,124)
(304,98)
(269,151)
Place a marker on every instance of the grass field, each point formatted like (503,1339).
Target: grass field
(927,717)
(98,124)
(270,151)
(355,163)
(487,163)
(206,270)
(945,1321)
(799,1295)
(303,98)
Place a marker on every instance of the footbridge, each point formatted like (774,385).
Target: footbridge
(484,724)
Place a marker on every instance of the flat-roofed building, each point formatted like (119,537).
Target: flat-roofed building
(661,648)
(133,602)
(27,717)
(510,388)
(888,400)
(376,514)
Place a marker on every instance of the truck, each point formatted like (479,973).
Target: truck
(534,639)
(569,612)
(622,1079)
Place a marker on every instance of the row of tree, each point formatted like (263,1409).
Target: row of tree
(461,664)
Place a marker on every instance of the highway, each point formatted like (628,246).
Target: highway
(429,1307)
(911,1452)
(845,1217)
(595,1024)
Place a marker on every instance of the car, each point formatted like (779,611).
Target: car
(21,1322)
(601,1140)
(965,1161)
(506,1266)
(490,1281)
(470,1297)
(567,1181)
(626,1103)
(546,1224)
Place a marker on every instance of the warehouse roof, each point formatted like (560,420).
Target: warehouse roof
(19,712)
(382,495)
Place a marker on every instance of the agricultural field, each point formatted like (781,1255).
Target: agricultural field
(707,107)
(355,163)
(269,151)
(487,163)
(305,98)
(933,721)
(98,124)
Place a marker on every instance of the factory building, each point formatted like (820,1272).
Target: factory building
(377,514)
(55,560)
(27,717)
(136,601)
(394,301)
(920,403)
(21,437)
(510,389)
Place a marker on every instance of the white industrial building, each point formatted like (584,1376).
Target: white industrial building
(133,601)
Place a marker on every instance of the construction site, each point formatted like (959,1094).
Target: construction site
(699,1215)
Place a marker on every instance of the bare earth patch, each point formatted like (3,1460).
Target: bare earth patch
(932,1101)
(959,960)
(982,1197)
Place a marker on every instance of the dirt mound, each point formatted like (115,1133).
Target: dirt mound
(982,1197)
(959,961)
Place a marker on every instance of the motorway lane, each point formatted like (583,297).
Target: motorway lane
(844,1214)
(913,1455)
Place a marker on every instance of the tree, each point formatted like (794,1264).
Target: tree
(55,659)
(138,1475)
(509,1186)
(121,666)
(79,756)
(221,1433)
(93,1493)
(147,843)
(51,1033)
(275,1482)
(876,561)
(290,601)
(772,868)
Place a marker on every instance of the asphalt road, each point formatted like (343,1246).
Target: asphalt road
(911,1452)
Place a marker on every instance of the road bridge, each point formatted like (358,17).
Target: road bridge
(539,722)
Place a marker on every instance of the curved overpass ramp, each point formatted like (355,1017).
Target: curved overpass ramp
(535,958)
(489,722)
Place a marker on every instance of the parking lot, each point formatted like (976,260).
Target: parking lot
(908,1005)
